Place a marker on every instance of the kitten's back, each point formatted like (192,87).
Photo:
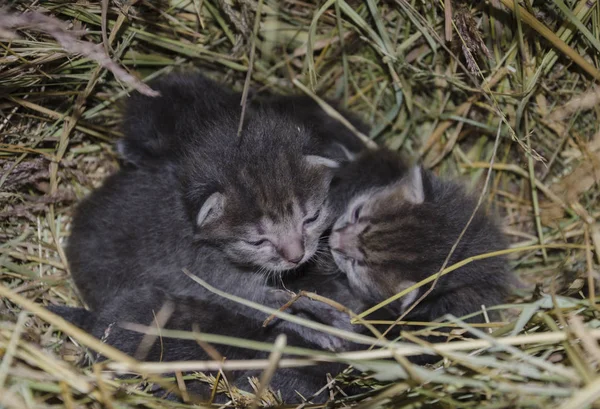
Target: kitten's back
(129,230)
(157,127)
(329,133)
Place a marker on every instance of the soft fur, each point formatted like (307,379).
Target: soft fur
(331,138)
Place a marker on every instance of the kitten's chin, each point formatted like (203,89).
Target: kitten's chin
(342,263)
(283,266)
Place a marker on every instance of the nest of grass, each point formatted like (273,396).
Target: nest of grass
(497,93)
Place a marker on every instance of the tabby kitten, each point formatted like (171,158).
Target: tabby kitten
(393,236)
(260,196)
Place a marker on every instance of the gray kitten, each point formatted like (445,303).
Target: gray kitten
(232,210)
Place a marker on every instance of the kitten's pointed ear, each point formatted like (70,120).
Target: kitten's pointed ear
(211,209)
(339,153)
(412,186)
(129,153)
(315,160)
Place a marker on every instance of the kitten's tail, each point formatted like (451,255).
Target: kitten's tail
(79,317)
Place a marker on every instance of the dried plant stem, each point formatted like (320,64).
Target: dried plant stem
(458,265)
(9,354)
(584,397)
(448,20)
(273,364)
(590,266)
(244,100)
(550,338)
(68,40)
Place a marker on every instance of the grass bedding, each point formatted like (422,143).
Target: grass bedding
(501,94)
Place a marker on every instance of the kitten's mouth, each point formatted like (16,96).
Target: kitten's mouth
(341,253)
(338,251)
(289,265)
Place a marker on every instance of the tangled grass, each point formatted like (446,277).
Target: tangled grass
(499,91)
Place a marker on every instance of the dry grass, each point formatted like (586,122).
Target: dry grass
(438,80)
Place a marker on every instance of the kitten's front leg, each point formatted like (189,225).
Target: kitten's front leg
(254,288)
(314,311)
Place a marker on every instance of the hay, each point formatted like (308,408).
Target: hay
(438,80)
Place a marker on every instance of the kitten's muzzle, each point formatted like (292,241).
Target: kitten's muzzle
(292,250)
(345,242)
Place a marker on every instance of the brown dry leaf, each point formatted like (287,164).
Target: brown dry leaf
(550,213)
(584,176)
(583,102)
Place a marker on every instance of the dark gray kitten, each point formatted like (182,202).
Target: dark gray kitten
(109,324)
(396,234)
(232,210)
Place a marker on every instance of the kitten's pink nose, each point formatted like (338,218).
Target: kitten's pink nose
(345,243)
(337,242)
(292,250)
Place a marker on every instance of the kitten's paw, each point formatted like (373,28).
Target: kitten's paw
(318,312)
(326,342)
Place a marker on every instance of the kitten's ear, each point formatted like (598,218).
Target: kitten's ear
(409,298)
(412,186)
(340,153)
(315,160)
(131,153)
(211,209)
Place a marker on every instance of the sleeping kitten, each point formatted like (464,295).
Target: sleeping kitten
(108,324)
(393,236)
(261,196)
(333,139)
(232,210)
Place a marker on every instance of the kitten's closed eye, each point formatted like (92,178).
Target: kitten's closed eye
(313,218)
(257,242)
(356,213)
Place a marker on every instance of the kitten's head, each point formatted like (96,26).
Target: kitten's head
(269,206)
(392,237)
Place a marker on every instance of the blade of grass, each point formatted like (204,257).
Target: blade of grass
(458,265)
